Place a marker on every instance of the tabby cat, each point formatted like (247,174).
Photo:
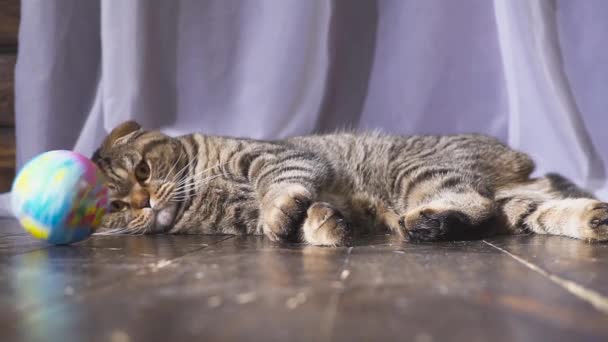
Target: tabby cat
(322,189)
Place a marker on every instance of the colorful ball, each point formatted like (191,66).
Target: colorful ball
(59,196)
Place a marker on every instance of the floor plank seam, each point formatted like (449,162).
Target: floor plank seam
(596,299)
(328,322)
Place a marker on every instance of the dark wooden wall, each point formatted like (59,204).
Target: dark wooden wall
(9,27)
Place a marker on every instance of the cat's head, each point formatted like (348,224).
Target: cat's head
(141,170)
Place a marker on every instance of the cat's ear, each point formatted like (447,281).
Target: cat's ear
(121,134)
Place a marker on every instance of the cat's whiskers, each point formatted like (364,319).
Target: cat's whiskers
(183,194)
(140,231)
(183,169)
(190,182)
(185,187)
(115,231)
(174,165)
(178,179)
(184,180)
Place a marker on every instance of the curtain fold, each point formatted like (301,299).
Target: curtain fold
(540,99)
(57,72)
(532,73)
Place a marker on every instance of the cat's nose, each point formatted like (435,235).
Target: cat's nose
(140,199)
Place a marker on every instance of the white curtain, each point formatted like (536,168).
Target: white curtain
(534,73)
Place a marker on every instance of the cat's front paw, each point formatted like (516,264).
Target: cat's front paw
(284,211)
(325,226)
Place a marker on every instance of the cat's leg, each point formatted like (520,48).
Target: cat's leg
(289,215)
(454,212)
(553,205)
(288,183)
(283,211)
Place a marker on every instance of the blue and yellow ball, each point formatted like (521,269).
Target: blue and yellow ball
(59,196)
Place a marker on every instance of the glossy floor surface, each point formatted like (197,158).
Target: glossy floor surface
(163,288)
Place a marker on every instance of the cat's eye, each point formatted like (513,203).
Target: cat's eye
(142,171)
(116,206)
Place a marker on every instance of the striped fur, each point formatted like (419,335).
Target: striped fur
(324,189)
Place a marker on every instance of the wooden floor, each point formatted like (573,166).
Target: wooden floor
(163,288)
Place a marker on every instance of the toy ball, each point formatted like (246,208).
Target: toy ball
(59,196)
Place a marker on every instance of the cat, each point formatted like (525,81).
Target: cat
(324,189)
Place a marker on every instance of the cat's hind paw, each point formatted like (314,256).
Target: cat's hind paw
(594,225)
(426,224)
